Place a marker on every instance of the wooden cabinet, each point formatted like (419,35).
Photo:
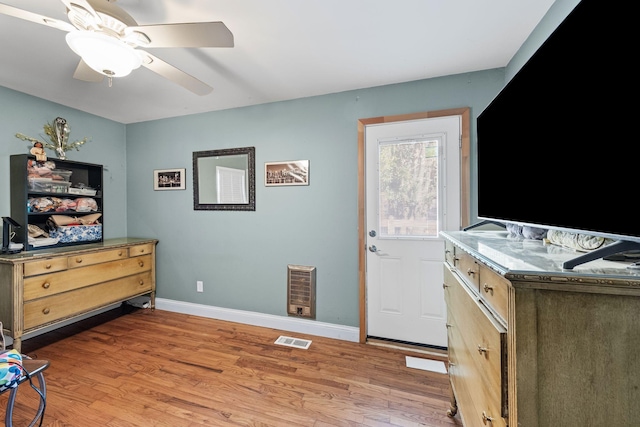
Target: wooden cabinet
(531,344)
(58,187)
(43,289)
(477,354)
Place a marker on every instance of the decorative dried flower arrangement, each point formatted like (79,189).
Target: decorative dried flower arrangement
(58,133)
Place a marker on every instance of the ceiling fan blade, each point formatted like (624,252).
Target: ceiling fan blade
(34,17)
(82,9)
(194,34)
(177,76)
(85,73)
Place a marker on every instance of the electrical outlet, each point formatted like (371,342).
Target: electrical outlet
(199,286)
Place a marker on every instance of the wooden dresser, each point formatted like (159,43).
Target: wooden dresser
(533,345)
(43,288)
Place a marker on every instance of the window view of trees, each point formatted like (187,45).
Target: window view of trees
(408,188)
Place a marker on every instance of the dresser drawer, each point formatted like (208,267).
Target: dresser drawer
(53,286)
(479,350)
(450,253)
(494,291)
(484,337)
(469,268)
(82,260)
(63,281)
(138,250)
(476,399)
(48,265)
(50,309)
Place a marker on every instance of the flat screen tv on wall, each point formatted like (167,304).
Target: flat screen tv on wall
(557,148)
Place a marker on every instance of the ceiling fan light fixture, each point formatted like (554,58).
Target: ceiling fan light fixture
(105,54)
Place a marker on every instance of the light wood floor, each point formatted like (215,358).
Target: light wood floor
(158,368)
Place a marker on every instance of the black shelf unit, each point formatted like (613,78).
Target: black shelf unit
(87,174)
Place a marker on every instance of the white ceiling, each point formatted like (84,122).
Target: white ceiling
(284,49)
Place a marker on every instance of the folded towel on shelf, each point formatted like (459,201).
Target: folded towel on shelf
(42,241)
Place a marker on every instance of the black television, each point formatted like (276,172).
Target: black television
(555,148)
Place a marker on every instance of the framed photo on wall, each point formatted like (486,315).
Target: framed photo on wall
(292,172)
(169,179)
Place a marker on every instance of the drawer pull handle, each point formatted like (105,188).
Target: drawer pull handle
(141,282)
(141,264)
(488,288)
(120,253)
(470,272)
(444,286)
(141,251)
(48,266)
(482,349)
(79,260)
(46,285)
(46,311)
(486,418)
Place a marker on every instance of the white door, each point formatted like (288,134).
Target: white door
(412,193)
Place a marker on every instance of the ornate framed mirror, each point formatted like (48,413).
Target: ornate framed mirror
(224,179)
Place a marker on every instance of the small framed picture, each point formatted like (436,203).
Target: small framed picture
(169,179)
(292,172)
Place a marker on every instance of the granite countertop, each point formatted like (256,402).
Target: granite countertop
(516,256)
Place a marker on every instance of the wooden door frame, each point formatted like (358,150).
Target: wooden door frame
(465,183)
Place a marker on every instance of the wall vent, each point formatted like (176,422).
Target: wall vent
(301,291)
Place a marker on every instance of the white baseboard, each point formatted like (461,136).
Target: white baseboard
(291,324)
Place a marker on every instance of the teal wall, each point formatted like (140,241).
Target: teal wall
(557,12)
(242,257)
(21,113)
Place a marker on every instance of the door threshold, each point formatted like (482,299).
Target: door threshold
(435,353)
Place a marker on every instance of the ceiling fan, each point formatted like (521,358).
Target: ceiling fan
(108,39)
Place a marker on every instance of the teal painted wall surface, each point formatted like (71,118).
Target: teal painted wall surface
(242,257)
(21,113)
(556,13)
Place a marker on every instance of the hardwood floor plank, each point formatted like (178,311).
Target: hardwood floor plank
(155,368)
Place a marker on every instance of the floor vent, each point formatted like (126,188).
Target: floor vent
(301,291)
(293,342)
(426,364)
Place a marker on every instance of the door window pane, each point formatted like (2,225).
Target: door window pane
(408,188)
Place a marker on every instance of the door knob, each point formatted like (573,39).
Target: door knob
(373,248)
